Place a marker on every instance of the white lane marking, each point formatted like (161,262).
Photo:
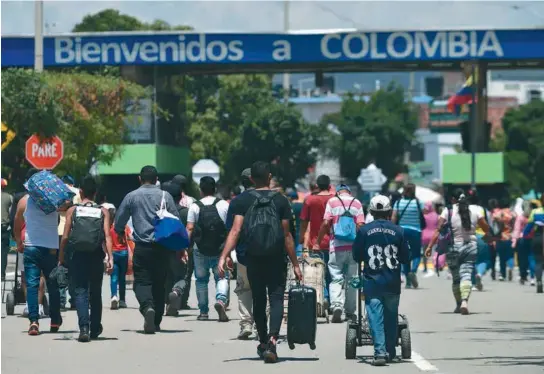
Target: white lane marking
(421,363)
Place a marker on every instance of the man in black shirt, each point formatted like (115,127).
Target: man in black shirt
(265,272)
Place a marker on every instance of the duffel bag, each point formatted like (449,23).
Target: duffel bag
(48,191)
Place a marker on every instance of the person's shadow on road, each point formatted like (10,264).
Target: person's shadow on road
(163,331)
(280,359)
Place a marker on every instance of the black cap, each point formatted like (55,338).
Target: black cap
(172,188)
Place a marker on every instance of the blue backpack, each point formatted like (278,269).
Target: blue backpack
(345,229)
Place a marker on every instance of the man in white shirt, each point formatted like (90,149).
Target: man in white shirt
(206,225)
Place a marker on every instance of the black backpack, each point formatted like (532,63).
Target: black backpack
(210,230)
(87,233)
(262,230)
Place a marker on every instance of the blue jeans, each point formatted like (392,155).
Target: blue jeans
(414,240)
(87,273)
(483,261)
(38,260)
(526,258)
(506,256)
(119,274)
(382,315)
(203,264)
(324,255)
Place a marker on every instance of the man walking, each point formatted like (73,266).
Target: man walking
(382,247)
(343,217)
(243,290)
(150,259)
(206,225)
(264,218)
(86,230)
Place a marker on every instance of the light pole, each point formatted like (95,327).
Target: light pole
(286,78)
(38,35)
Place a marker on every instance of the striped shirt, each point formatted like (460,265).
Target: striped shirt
(410,218)
(334,210)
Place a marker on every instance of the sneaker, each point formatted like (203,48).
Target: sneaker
(337,315)
(533,282)
(114,303)
(174,300)
(34,329)
(149,321)
(413,280)
(457,309)
(378,361)
(55,327)
(261,348)
(479,284)
(122,304)
(203,317)
(501,278)
(41,311)
(96,334)
(245,333)
(220,308)
(464,308)
(429,274)
(270,354)
(493,274)
(539,288)
(510,275)
(84,336)
(25,311)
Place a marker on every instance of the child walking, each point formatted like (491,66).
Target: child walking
(122,263)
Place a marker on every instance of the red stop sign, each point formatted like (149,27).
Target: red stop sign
(44,153)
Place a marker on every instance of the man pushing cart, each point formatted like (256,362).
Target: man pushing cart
(381,247)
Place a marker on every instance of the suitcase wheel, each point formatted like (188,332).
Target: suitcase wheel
(312,346)
(405,344)
(10,304)
(291,345)
(351,342)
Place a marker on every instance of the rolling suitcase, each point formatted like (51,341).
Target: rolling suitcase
(302,316)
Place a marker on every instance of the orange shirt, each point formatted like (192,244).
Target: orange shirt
(506,219)
(116,245)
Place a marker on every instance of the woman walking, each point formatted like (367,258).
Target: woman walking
(431,220)
(122,262)
(462,219)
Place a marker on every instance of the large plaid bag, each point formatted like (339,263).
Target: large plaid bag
(48,191)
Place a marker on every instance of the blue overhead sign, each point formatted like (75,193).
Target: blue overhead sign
(209,49)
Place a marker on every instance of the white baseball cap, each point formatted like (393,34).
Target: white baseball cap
(380,203)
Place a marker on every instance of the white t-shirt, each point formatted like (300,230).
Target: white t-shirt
(460,235)
(194,210)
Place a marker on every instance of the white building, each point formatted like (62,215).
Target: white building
(524,85)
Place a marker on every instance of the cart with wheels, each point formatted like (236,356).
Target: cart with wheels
(15,295)
(313,271)
(358,331)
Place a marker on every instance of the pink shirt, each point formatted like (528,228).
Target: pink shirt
(431,221)
(519,225)
(334,210)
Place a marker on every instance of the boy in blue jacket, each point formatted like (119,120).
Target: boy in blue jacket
(382,248)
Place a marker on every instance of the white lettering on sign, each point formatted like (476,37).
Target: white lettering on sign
(48,150)
(69,50)
(402,45)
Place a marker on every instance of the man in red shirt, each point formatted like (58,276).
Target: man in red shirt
(312,213)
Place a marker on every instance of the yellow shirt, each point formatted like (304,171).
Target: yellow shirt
(479,230)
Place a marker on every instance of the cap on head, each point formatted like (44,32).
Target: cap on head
(380,203)
(291,193)
(246,173)
(4,183)
(343,187)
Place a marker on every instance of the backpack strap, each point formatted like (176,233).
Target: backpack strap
(216,201)
(404,210)
(342,202)
(199,203)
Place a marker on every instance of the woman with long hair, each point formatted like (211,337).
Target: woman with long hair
(461,219)
(504,219)
(431,220)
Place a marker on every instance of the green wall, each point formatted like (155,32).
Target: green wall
(457,168)
(167,159)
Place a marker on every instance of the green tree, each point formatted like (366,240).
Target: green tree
(524,147)
(244,123)
(378,130)
(113,20)
(84,110)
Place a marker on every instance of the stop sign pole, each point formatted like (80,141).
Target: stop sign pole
(44,154)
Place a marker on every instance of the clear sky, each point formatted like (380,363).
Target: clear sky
(247,16)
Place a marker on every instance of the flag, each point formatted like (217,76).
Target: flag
(463,96)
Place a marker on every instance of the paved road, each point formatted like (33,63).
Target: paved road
(504,334)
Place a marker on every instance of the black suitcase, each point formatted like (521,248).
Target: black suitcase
(301,316)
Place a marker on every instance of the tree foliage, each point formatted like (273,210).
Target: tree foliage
(377,130)
(523,142)
(244,123)
(113,20)
(84,110)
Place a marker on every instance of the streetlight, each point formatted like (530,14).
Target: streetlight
(38,35)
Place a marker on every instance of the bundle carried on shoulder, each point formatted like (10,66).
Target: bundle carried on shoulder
(48,191)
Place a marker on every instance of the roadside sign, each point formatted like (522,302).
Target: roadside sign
(8,137)
(44,153)
(205,167)
(371,179)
